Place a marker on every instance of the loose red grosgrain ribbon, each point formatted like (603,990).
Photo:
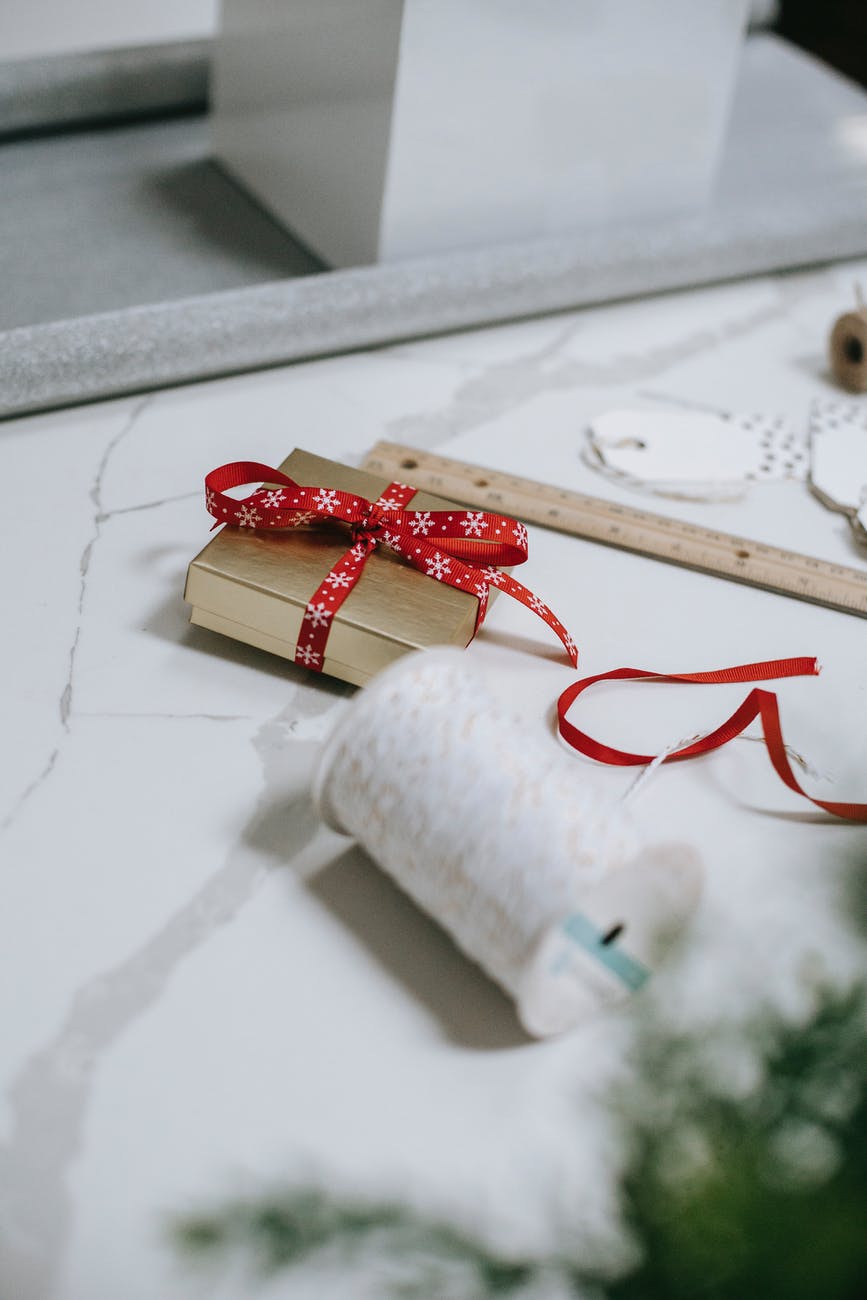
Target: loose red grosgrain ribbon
(758,704)
(438,542)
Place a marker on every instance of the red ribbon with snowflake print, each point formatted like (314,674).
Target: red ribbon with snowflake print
(444,544)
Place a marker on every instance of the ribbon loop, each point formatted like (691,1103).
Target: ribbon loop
(759,704)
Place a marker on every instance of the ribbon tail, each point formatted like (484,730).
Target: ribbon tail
(505,582)
(773,736)
(323,605)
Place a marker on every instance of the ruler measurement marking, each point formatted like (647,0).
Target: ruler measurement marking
(594,519)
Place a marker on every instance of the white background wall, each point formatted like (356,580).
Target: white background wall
(33,27)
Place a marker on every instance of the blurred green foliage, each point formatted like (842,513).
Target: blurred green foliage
(747,1191)
(769,1197)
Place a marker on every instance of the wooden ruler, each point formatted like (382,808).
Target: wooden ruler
(597,520)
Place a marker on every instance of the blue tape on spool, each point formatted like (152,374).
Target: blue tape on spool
(627,969)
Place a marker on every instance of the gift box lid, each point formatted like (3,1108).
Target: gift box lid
(256,585)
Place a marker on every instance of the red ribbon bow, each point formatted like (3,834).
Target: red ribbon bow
(437,542)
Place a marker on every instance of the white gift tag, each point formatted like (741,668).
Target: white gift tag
(838,457)
(696,453)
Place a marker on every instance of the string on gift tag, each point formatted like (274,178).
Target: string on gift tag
(549,888)
(838,459)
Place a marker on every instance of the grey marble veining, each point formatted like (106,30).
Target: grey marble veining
(48,1097)
(553,366)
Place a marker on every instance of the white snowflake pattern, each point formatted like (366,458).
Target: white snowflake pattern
(571,647)
(473,523)
(520,535)
(338,579)
(272,499)
(210,500)
(326,499)
(493,575)
(481,589)
(358,551)
(247,516)
(421,523)
(305,655)
(538,605)
(390,503)
(318,615)
(439,566)
(392,540)
(301,517)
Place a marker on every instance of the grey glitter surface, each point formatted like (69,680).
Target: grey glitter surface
(155,220)
(210,284)
(44,93)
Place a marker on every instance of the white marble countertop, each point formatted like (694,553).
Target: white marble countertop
(204,991)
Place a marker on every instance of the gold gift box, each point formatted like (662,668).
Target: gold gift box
(254,586)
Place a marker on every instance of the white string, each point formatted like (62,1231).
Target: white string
(653,767)
(799,760)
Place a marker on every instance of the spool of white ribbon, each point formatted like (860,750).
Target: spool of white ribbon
(551,892)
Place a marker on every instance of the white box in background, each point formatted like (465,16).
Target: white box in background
(379,130)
